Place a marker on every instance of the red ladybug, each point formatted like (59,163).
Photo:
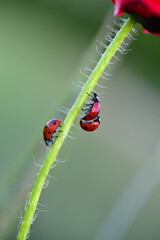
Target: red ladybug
(90,126)
(93,108)
(49,130)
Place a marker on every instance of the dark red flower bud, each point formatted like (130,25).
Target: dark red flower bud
(146,11)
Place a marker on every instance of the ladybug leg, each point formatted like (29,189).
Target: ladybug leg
(87,104)
(84,109)
(46,142)
(53,137)
(87,109)
(57,131)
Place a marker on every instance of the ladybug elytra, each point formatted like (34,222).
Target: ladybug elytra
(90,126)
(49,130)
(93,108)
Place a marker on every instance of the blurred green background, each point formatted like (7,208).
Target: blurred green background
(109,187)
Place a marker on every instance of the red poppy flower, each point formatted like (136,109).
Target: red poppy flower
(146,11)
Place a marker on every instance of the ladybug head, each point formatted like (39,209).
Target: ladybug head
(97,119)
(95,97)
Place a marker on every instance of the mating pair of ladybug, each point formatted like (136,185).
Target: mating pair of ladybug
(89,122)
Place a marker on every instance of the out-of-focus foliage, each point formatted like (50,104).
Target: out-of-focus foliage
(110,186)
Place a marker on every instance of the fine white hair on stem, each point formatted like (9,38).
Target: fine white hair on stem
(94,61)
(54,165)
(73,125)
(41,204)
(36,214)
(123,20)
(118,23)
(129,37)
(36,164)
(108,66)
(112,30)
(102,76)
(102,44)
(112,33)
(61,161)
(125,43)
(27,201)
(122,50)
(109,37)
(132,35)
(88,69)
(41,210)
(70,132)
(98,51)
(105,78)
(81,83)
(64,110)
(77,85)
(46,183)
(57,161)
(19,223)
(73,138)
(50,176)
(66,141)
(110,63)
(117,57)
(97,84)
(34,180)
(83,73)
(29,234)
(107,74)
(135,31)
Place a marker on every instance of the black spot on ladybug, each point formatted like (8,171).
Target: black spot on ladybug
(85,127)
(46,126)
(92,129)
(54,123)
(94,125)
(49,132)
(89,116)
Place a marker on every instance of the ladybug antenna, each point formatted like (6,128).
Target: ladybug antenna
(95,98)
(94,95)
(89,94)
(92,98)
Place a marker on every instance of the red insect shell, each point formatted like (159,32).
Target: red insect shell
(49,129)
(93,109)
(90,126)
(93,112)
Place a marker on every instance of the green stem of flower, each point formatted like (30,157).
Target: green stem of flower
(88,88)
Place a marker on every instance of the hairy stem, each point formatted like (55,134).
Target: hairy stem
(72,114)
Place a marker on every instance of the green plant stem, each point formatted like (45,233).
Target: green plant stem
(88,87)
